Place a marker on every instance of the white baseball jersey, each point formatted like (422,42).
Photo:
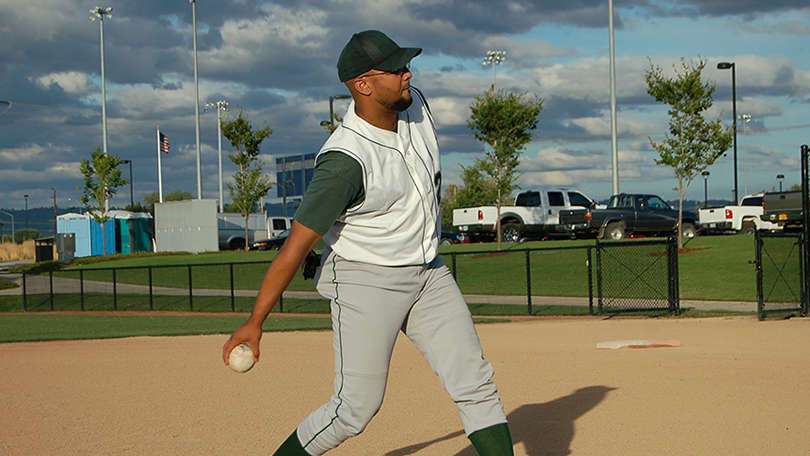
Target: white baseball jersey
(398,223)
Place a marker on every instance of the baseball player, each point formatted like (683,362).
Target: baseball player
(374,199)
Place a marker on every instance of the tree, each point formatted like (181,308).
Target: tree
(478,189)
(332,125)
(250,184)
(692,143)
(504,121)
(102,178)
(25,234)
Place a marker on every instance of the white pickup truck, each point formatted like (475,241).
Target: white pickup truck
(743,218)
(535,214)
(231,229)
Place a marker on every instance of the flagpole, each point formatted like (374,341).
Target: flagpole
(160,175)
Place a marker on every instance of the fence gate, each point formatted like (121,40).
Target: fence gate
(780,284)
(637,275)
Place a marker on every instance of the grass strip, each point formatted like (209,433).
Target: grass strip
(43,327)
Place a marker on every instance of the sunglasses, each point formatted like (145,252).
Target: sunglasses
(398,71)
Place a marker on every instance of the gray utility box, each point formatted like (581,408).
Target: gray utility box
(65,247)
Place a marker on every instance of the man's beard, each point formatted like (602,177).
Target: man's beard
(400,105)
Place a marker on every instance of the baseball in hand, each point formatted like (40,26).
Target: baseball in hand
(241,358)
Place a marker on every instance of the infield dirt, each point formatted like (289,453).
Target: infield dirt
(736,387)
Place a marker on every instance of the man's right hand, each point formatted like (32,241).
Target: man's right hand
(250,334)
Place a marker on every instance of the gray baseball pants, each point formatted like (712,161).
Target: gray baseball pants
(370,305)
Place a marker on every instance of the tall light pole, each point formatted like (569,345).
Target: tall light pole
(54,213)
(221,106)
(197,99)
(745,119)
(614,141)
(780,178)
(733,68)
(131,191)
(494,58)
(705,175)
(99,12)
(26,211)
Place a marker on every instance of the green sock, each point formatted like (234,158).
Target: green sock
(493,441)
(291,447)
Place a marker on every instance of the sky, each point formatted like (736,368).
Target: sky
(276,61)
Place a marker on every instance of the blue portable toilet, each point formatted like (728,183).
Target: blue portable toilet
(79,225)
(125,232)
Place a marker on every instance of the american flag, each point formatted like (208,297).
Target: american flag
(164,143)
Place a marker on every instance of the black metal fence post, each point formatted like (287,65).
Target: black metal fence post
(25,294)
(805,168)
(81,286)
(590,282)
(115,290)
(453,258)
(760,291)
(190,292)
(529,280)
(151,295)
(599,277)
(233,298)
(50,278)
(672,269)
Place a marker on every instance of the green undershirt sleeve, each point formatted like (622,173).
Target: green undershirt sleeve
(336,186)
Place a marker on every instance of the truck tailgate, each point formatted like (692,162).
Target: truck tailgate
(475,216)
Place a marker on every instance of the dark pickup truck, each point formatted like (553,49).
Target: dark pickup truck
(784,209)
(627,215)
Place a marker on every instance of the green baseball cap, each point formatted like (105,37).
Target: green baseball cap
(372,50)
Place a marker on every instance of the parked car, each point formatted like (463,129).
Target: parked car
(450,238)
(270,244)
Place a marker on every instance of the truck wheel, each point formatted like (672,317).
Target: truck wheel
(510,232)
(688,230)
(237,244)
(614,231)
(748,228)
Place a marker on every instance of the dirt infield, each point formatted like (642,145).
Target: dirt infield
(735,387)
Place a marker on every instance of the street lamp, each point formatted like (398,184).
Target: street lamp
(494,58)
(197,98)
(732,66)
(26,211)
(780,178)
(131,191)
(221,106)
(99,12)
(705,175)
(331,106)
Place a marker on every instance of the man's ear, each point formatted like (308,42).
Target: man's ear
(361,86)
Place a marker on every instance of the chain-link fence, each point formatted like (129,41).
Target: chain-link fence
(638,275)
(629,276)
(780,273)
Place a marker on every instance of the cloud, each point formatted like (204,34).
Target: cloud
(73,83)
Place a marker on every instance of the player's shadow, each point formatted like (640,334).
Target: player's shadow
(544,429)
